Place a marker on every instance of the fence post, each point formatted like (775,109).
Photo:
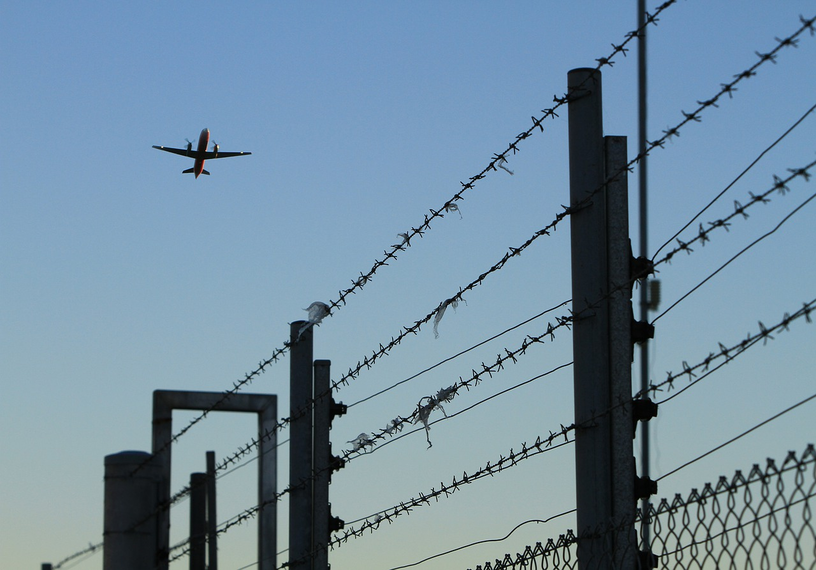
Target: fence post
(130,526)
(301,505)
(621,352)
(322,463)
(588,230)
(198,521)
(212,522)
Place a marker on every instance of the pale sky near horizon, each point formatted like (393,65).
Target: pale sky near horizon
(122,276)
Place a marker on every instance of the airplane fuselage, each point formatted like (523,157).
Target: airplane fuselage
(201,153)
(203,141)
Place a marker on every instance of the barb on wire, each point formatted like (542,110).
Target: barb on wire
(450,205)
(513,458)
(737,255)
(446,394)
(91,549)
(728,353)
(733,182)
(498,160)
(779,186)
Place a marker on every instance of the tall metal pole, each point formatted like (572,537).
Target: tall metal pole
(212,521)
(620,354)
(644,246)
(301,503)
(591,327)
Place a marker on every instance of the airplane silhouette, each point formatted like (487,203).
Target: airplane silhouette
(200,154)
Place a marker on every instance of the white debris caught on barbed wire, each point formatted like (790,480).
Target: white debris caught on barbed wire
(317,311)
(440,312)
(393,427)
(402,245)
(433,402)
(361,442)
(453,208)
(501,164)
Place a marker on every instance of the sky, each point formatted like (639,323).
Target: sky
(122,276)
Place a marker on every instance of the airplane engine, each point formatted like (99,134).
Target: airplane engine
(215,148)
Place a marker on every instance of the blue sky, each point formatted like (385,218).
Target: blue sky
(121,275)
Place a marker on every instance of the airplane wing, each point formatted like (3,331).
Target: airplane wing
(181,151)
(212,155)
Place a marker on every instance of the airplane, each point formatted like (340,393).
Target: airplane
(201,154)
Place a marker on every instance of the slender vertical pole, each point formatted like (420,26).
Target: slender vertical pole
(644,246)
(591,327)
(198,521)
(620,354)
(212,521)
(300,447)
(268,486)
(322,459)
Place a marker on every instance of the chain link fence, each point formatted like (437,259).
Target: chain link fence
(761,520)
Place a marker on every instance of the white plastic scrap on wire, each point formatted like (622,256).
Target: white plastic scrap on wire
(317,311)
(433,402)
(440,312)
(361,442)
(501,164)
(454,208)
(404,243)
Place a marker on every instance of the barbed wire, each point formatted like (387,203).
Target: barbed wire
(684,536)
(485,541)
(474,405)
(460,353)
(90,550)
(728,353)
(735,256)
(780,186)
(371,522)
(738,437)
(496,162)
(735,180)
(729,88)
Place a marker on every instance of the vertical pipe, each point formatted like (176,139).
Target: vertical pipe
(268,486)
(212,521)
(644,246)
(591,327)
(198,521)
(130,539)
(300,446)
(322,459)
(620,353)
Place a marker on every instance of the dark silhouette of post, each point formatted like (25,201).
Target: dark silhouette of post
(591,327)
(301,501)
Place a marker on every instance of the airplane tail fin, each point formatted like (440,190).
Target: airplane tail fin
(188,171)
(205,172)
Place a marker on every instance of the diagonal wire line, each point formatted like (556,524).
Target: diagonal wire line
(460,353)
(743,250)
(741,174)
(741,435)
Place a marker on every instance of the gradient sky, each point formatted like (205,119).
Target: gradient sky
(122,276)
